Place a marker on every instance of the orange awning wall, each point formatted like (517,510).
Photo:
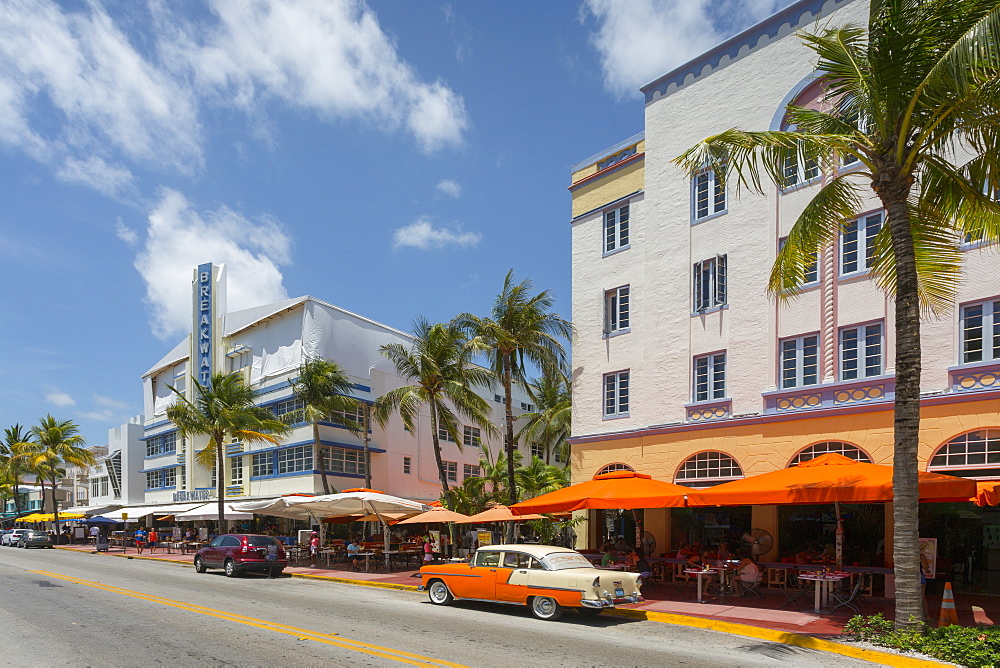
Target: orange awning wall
(618,489)
(826,479)
(987,493)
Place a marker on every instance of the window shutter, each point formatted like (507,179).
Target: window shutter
(698,305)
(720,279)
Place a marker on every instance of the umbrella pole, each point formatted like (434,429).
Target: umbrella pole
(840,536)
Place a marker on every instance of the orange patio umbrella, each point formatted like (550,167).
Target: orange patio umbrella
(618,489)
(437,515)
(987,493)
(500,513)
(829,478)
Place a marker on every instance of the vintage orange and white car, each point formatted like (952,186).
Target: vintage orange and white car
(544,577)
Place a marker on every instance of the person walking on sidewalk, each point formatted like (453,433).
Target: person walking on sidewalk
(151,539)
(140,539)
(313,548)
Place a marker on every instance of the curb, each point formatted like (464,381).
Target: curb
(760,633)
(783,637)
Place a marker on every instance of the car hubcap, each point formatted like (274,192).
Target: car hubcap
(544,606)
(439,592)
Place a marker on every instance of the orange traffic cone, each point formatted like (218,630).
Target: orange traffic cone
(948,613)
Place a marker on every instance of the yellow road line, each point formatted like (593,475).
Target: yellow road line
(302,634)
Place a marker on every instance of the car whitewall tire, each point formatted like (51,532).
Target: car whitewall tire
(544,607)
(439,594)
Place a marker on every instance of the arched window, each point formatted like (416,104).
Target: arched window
(708,468)
(971,455)
(841,448)
(618,466)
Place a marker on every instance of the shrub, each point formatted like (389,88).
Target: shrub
(968,646)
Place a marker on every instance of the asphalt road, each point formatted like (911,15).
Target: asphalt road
(61,608)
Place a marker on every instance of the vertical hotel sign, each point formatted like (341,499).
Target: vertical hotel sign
(204,330)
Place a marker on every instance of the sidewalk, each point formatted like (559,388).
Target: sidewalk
(761,613)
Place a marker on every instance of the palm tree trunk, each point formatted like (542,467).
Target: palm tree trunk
(318,458)
(437,455)
(220,480)
(368,454)
(906,415)
(17,501)
(55,506)
(508,400)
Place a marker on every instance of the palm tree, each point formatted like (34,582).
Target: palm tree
(53,443)
(13,437)
(221,410)
(549,425)
(324,389)
(521,329)
(539,478)
(902,95)
(443,378)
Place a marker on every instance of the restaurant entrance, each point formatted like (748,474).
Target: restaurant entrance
(813,529)
(709,527)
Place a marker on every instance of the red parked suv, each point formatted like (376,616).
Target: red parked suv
(239,552)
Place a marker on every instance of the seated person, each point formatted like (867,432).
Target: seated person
(749,572)
(699,560)
(352,554)
(620,546)
(723,552)
(638,564)
(804,556)
(829,553)
(609,557)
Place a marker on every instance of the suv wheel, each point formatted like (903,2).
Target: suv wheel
(231,570)
(199,565)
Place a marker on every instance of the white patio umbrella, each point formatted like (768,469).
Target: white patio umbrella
(335,505)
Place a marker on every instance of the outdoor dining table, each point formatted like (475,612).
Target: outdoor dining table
(699,572)
(367,556)
(823,582)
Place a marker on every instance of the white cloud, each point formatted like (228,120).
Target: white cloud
(178,239)
(61,399)
(126,233)
(331,57)
(423,235)
(450,188)
(73,86)
(108,402)
(640,40)
(110,180)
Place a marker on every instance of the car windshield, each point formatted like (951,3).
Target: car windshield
(560,561)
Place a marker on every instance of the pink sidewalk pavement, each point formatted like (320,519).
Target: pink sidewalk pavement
(763,613)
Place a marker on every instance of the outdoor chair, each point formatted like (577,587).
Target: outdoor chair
(851,598)
(753,587)
(796,590)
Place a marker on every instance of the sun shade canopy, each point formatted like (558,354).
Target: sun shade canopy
(437,515)
(826,479)
(332,505)
(618,489)
(987,493)
(499,513)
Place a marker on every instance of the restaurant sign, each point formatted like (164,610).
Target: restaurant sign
(204,324)
(194,495)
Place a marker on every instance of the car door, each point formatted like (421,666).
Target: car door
(482,581)
(213,555)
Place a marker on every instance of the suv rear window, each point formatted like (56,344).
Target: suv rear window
(260,541)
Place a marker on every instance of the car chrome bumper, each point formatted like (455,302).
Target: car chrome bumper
(610,602)
(421,588)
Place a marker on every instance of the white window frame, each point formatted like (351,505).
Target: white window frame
(616,310)
(472,437)
(863,228)
(236,470)
(615,233)
(709,377)
(861,336)
(709,283)
(443,434)
(715,205)
(343,460)
(261,465)
(451,471)
(708,466)
(538,450)
(407,466)
(988,334)
(798,354)
(616,394)
(797,174)
(471,471)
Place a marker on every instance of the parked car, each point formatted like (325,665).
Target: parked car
(240,552)
(545,578)
(10,538)
(35,538)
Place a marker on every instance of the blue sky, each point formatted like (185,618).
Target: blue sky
(392,158)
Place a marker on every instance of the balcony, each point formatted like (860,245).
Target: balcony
(705,411)
(975,377)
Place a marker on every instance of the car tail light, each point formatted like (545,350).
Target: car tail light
(245,545)
(597,581)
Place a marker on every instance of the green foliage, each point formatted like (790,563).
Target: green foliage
(977,646)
